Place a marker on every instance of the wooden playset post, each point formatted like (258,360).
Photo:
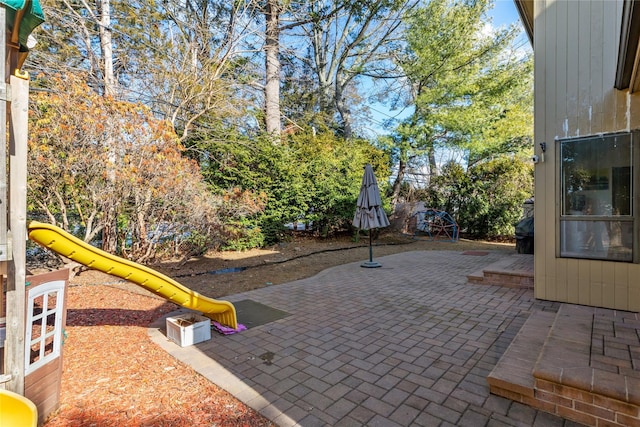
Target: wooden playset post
(3,179)
(14,96)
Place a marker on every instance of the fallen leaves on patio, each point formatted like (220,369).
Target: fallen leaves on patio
(115,376)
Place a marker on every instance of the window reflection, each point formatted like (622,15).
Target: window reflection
(596,197)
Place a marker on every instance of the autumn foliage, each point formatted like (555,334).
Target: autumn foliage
(98,165)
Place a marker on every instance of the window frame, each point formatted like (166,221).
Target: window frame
(562,218)
(56,287)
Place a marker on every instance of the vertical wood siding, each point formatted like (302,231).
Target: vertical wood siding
(576,53)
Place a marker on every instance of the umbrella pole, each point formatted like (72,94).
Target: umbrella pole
(370,263)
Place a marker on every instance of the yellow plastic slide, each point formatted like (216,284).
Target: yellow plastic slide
(17,410)
(75,249)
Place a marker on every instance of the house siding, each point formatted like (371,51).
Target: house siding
(575,65)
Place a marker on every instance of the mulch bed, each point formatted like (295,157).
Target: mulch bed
(115,376)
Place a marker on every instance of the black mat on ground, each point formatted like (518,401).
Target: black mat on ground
(251,313)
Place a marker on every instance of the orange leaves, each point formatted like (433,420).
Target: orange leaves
(94,154)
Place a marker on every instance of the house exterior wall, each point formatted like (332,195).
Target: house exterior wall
(576,49)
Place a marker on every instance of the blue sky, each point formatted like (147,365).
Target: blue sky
(504,13)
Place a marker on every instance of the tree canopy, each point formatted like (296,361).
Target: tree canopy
(469,90)
(212,124)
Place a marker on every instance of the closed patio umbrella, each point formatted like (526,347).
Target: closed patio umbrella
(369,212)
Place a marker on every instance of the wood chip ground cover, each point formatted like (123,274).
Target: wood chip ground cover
(115,376)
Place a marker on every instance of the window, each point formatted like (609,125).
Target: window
(597,205)
(44,324)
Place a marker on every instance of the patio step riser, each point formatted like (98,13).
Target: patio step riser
(586,407)
(573,404)
(502,279)
(515,271)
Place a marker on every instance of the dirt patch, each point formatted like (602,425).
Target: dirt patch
(300,258)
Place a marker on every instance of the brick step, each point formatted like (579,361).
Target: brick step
(515,271)
(550,366)
(512,376)
(569,379)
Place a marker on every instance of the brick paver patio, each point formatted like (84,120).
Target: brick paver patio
(408,344)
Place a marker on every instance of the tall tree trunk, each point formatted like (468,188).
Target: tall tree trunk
(433,167)
(110,230)
(272,68)
(397,184)
(343,109)
(104,9)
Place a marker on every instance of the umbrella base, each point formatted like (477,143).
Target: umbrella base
(370,264)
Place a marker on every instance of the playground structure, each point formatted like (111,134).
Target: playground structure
(30,306)
(71,247)
(33,308)
(19,18)
(17,410)
(436,224)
